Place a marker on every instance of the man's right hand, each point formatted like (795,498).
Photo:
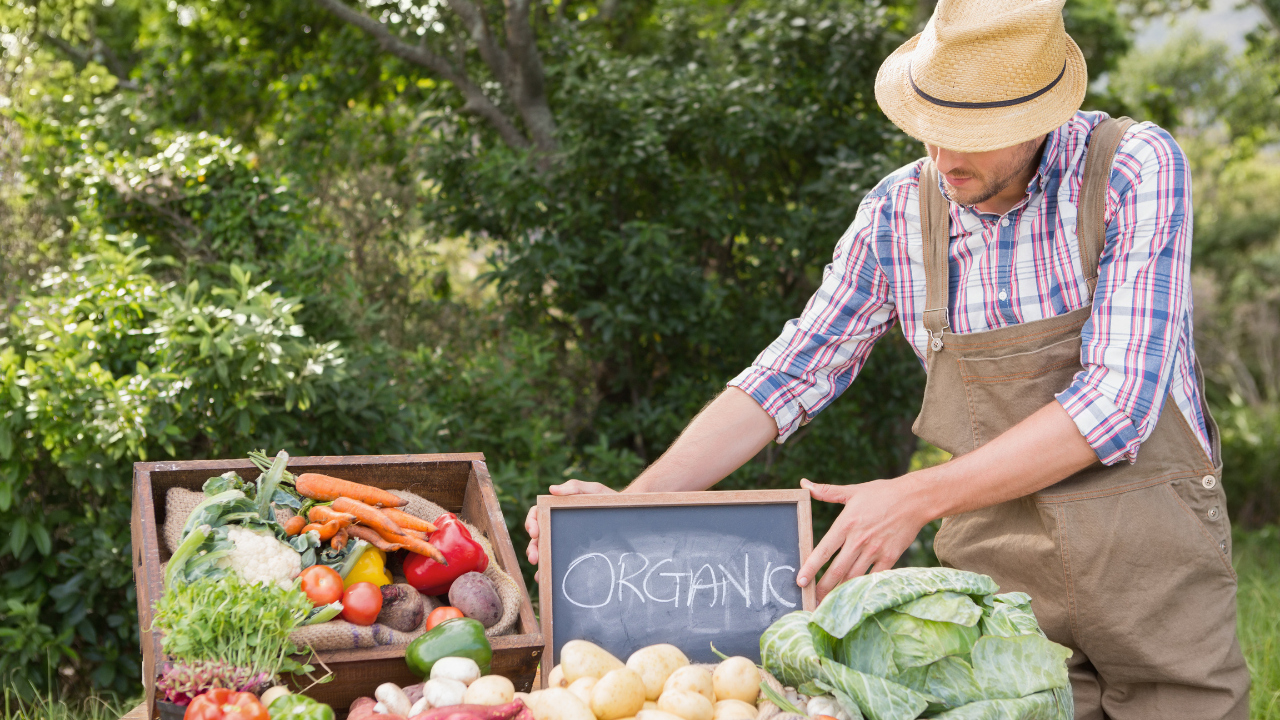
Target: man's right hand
(572,487)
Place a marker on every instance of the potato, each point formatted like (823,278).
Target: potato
(656,715)
(582,688)
(736,679)
(693,679)
(735,710)
(490,690)
(580,659)
(477,598)
(655,664)
(650,705)
(619,694)
(686,704)
(558,704)
(556,678)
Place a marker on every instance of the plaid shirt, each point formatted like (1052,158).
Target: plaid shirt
(1019,267)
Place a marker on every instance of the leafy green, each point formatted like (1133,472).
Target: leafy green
(1018,666)
(1010,615)
(868,648)
(878,698)
(919,642)
(225,619)
(788,650)
(950,679)
(1041,706)
(856,600)
(944,606)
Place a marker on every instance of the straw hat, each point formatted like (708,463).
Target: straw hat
(984,75)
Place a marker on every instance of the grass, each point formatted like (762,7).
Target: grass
(1257,560)
(51,708)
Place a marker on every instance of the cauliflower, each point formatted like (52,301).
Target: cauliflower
(259,557)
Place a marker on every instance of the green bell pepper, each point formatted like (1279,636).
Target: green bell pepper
(456,637)
(299,707)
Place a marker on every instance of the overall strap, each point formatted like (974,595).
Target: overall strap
(935,216)
(1091,215)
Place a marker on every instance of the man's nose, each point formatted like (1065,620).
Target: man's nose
(947,160)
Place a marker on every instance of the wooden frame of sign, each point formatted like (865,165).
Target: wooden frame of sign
(547,503)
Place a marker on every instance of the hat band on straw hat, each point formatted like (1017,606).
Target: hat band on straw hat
(983,105)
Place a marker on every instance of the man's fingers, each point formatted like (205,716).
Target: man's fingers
(825,493)
(839,569)
(580,487)
(809,570)
(531,552)
(531,522)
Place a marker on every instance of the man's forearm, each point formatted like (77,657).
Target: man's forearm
(1032,455)
(726,434)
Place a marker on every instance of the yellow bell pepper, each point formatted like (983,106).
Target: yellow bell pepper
(371,567)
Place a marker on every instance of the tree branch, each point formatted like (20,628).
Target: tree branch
(99,52)
(531,95)
(477,103)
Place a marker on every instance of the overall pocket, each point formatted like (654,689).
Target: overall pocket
(1004,391)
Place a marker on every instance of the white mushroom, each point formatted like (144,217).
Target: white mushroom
(443,692)
(464,670)
(393,698)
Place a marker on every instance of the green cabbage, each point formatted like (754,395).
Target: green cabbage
(916,642)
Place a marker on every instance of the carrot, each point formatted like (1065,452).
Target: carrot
(294,525)
(422,547)
(324,513)
(339,540)
(371,516)
(372,537)
(407,521)
(327,530)
(323,487)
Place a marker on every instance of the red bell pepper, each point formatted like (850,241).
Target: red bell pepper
(223,704)
(460,550)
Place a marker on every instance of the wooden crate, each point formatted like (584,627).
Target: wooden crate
(458,482)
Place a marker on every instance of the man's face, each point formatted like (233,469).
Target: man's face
(974,178)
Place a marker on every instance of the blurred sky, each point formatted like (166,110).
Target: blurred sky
(1226,20)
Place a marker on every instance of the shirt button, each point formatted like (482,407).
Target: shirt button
(1004,222)
(1003,295)
(1213,513)
(1208,481)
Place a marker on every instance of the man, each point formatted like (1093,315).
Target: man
(1048,295)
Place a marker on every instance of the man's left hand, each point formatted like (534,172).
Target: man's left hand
(879,522)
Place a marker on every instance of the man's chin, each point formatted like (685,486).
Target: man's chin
(967,196)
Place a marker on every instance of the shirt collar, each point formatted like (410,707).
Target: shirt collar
(966,220)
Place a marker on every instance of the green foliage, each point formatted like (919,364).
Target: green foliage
(1257,560)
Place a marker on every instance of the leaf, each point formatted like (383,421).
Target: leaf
(1040,706)
(1010,615)
(856,600)
(41,537)
(878,698)
(919,642)
(944,606)
(787,649)
(1018,666)
(869,649)
(848,704)
(951,679)
(779,699)
(6,443)
(18,536)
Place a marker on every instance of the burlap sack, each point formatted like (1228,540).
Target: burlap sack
(339,634)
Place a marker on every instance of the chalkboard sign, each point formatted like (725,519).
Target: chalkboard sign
(630,570)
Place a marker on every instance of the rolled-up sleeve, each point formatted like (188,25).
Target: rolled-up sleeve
(819,354)
(1142,302)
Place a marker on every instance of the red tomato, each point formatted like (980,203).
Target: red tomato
(441,614)
(322,584)
(222,704)
(361,603)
